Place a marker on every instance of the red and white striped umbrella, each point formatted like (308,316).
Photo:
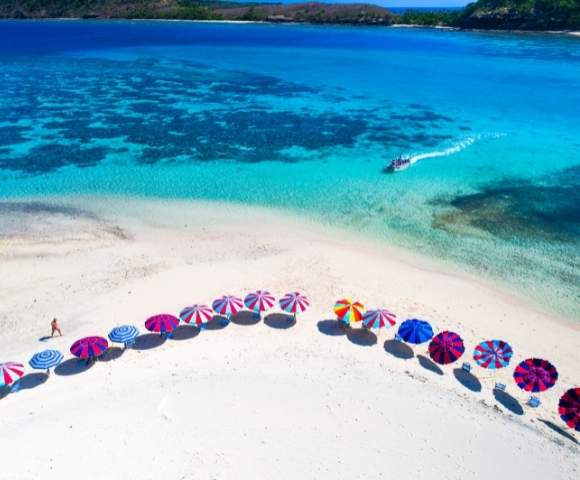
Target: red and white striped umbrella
(259,301)
(227,305)
(10,372)
(196,314)
(294,303)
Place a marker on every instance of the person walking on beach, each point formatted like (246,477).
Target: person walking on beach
(54,327)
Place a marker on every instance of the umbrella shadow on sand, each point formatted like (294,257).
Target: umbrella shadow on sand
(559,430)
(280,321)
(428,364)
(147,341)
(332,328)
(112,353)
(73,366)
(398,349)
(508,402)
(246,318)
(468,380)
(184,332)
(32,380)
(361,337)
(4,391)
(217,322)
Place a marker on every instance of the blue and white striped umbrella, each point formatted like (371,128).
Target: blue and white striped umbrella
(45,359)
(123,334)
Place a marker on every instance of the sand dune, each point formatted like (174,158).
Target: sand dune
(268,399)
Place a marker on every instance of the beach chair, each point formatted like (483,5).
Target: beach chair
(500,387)
(129,344)
(534,402)
(466,367)
(398,338)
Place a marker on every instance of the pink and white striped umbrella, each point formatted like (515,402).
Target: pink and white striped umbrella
(378,318)
(196,314)
(259,301)
(227,305)
(10,372)
(294,303)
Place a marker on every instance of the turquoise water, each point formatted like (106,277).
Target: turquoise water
(305,118)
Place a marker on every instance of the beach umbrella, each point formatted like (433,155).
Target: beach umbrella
(10,372)
(259,301)
(227,305)
(197,314)
(569,408)
(535,375)
(89,347)
(294,303)
(46,359)
(415,331)
(162,323)
(378,318)
(446,347)
(493,354)
(123,334)
(349,311)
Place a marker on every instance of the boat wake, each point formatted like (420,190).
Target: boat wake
(405,161)
(456,148)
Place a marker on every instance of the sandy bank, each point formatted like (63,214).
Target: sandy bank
(266,399)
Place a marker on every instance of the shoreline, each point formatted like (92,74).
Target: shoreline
(571,33)
(102,263)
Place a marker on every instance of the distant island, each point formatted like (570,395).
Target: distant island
(539,15)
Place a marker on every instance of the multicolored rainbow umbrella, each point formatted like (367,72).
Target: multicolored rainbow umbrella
(446,347)
(10,372)
(46,359)
(162,323)
(349,311)
(415,331)
(89,347)
(535,375)
(378,318)
(196,314)
(123,334)
(569,408)
(493,354)
(294,303)
(259,301)
(227,305)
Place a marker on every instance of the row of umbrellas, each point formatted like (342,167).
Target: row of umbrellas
(198,315)
(531,375)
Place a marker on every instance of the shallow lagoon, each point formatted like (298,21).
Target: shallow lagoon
(304,118)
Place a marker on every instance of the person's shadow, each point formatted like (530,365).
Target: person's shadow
(467,379)
(398,349)
(45,338)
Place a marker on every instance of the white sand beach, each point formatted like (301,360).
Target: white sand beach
(259,400)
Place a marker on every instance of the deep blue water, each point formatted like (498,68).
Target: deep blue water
(304,118)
